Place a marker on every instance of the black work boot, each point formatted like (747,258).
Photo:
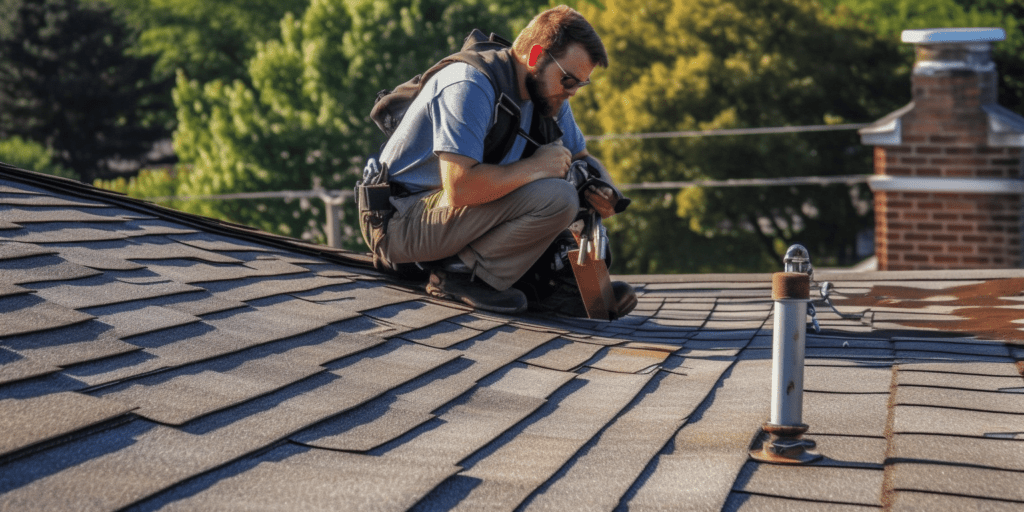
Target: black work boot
(476,293)
(566,299)
(625,298)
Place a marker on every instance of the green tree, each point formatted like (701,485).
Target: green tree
(207,40)
(713,64)
(304,120)
(1008,55)
(30,155)
(155,184)
(66,83)
(889,18)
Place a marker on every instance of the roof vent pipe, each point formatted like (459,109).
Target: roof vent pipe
(791,292)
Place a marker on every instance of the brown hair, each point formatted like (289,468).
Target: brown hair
(557,28)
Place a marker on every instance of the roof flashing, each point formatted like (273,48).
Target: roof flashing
(946,185)
(1005,127)
(887,131)
(953,35)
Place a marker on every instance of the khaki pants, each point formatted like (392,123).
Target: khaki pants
(499,240)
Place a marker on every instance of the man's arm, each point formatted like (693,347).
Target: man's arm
(466,182)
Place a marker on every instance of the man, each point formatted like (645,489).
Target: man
(480,226)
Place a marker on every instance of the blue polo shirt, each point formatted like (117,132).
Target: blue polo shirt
(452,114)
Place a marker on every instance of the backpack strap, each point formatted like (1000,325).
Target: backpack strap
(501,71)
(492,56)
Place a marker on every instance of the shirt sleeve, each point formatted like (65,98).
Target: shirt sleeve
(572,137)
(460,114)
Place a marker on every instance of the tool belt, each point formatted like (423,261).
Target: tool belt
(375,210)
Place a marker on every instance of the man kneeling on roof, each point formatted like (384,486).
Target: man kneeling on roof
(478,167)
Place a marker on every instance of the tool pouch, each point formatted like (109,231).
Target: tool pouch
(375,210)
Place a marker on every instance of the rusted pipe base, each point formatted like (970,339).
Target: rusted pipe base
(785,445)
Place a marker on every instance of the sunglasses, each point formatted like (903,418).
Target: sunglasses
(568,81)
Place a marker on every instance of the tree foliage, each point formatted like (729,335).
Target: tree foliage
(303,123)
(1009,54)
(66,83)
(153,184)
(713,64)
(890,18)
(33,156)
(207,40)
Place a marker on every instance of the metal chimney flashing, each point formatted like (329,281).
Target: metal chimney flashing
(887,131)
(953,35)
(1005,127)
(942,51)
(882,183)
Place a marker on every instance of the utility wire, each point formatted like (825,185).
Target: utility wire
(665,185)
(727,131)
(282,194)
(850,179)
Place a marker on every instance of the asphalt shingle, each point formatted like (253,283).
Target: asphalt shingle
(74,344)
(27,313)
(912,419)
(311,479)
(1002,454)
(909,500)
(15,367)
(521,464)
(42,268)
(825,485)
(958,480)
(562,354)
(176,397)
(742,502)
(697,469)
(103,290)
(475,420)
(441,335)
(30,421)
(602,474)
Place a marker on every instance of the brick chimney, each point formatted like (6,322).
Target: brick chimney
(948,182)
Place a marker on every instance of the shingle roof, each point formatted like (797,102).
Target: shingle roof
(154,360)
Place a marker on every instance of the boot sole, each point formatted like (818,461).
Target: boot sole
(434,292)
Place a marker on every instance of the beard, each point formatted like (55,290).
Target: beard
(542,105)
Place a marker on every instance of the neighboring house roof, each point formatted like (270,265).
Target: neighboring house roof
(151,359)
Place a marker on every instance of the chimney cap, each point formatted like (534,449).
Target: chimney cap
(954,35)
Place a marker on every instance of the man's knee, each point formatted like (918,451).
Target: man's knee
(555,199)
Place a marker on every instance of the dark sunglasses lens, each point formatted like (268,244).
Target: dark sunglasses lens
(569,82)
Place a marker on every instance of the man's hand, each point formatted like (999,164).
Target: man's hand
(552,160)
(601,199)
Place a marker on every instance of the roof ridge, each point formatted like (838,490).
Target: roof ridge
(84,190)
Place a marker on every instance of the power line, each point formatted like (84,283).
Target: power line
(850,179)
(336,195)
(282,194)
(727,131)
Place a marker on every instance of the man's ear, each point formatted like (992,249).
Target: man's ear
(535,54)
